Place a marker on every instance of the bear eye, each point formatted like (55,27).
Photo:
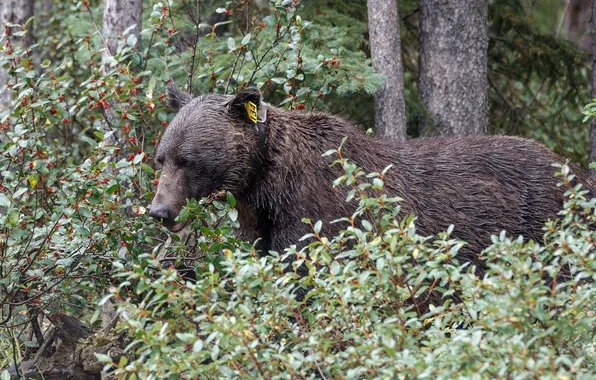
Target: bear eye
(183,163)
(160,161)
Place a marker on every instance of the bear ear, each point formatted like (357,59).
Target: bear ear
(245,105)
(176,98)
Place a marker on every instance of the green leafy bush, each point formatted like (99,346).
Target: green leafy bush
(76,180)
(75,171)
(365,314)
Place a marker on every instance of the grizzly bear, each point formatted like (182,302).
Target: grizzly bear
(271,160)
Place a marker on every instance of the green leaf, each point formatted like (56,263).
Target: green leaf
(123,361)
(335,268)
(185,337)
(366,224)
(103,358)
(246,39)
(231,43)
(318,226)
(150,87)
(233,215)
(380,263)
(138,158)
(105,299)
(5,376)
(4,201)
(215,353)
(147,169)
(131,40)
(231,199)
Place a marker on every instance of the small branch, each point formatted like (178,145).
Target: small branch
(98,30)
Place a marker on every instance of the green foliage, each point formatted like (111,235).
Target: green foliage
(273,48)
(75,171)
(367,313)
(69,205)
(537,80)
(76,179)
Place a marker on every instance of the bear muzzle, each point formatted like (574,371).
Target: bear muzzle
(169,199)
(167,216)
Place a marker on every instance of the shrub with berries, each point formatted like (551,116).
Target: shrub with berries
(76,243)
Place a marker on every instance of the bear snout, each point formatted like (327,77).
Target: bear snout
(167,216)
(160,212)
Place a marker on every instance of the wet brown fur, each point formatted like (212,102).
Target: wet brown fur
(482,185)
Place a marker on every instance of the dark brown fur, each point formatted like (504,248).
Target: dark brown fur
(482,185)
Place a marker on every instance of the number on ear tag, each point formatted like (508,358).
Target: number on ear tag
(251,110)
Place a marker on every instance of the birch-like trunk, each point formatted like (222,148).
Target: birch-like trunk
(118,16)
(16,12)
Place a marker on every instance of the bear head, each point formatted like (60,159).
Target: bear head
(212,144)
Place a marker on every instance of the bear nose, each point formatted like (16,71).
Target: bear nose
(160,212)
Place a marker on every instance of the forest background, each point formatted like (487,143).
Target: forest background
(88,279)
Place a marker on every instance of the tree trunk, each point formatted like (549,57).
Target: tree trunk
(453,64)
(592,155)
(385,47)
(118,15)
(16,12)
(577,23)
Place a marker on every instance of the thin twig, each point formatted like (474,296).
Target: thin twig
(103,40)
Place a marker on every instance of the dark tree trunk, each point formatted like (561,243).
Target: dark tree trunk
(16,12)
(453,64)
(385,47)
(592,155)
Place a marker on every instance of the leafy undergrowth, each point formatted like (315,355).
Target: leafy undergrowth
(365,313)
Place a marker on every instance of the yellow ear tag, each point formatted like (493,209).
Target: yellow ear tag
(251,110)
